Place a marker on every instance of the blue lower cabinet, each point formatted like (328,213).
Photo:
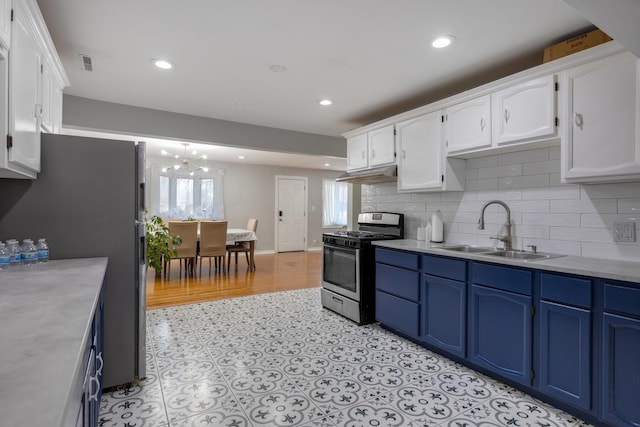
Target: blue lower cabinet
(621,370)
(444,314)
(565,353)
(398,313)
(500,332)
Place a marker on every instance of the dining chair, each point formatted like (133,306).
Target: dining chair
(188,249)
(238,247)
(213,243)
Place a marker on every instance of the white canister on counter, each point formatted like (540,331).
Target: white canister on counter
(437,227)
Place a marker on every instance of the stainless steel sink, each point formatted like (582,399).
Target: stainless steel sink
(467,248)
(521,255)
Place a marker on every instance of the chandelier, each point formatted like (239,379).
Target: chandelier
(184,162)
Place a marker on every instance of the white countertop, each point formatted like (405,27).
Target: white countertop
(595,267)
(45,319)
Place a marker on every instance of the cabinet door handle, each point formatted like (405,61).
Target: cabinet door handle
(373,154)
(363,155)
(579,120)
(404,155)
(99,370)
(482,123)
(93,397)
(506,115)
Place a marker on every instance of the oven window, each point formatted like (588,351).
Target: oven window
(339,267)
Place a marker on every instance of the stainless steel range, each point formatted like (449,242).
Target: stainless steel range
(348,270)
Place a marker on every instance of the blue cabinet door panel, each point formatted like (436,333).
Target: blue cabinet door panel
(506,278)
(450,268)
(398,313)
(444,313)
(408,260)
(621,370)
(622,298)
(500,332)
(565,289)
(565,353)
(398,281)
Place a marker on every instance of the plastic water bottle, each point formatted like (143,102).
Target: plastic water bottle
(43,250)
(5,257)
(29,253)
(15,252)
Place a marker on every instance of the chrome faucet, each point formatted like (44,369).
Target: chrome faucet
(506,239)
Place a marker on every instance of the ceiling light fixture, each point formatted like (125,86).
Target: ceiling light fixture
(241,157)
(325,102)
(185,162)
(163,64)
(327,164)
(442,41)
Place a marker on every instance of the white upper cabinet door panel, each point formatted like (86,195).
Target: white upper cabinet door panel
(525,111)
(5,23)
(357,152)
(382,146)
(420,152)
(468,125)
(25,107)
(602,107)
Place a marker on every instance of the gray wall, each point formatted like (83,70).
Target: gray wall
(250,192)
(90,114)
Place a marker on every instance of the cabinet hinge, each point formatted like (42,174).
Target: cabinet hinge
(442,118)
(557,86)
(442,178)
(11,15)
(533,310)
(9,141)
(532,374)
(557,122)
(395,131)
(446,144)
(41,68)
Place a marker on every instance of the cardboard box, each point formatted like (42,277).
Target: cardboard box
(575,44)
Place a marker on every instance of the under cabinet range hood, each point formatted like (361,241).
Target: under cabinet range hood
(370,176)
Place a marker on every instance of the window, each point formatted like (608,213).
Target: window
(335,197)
(179,195)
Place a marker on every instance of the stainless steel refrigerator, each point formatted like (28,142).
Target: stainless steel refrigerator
(88,201)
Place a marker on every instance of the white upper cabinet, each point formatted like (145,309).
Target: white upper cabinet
(5,23)
(421,162)
(374,148)
(357,152)
(601,103)
(525,111)
(382,146)
(468,125)
(25,107)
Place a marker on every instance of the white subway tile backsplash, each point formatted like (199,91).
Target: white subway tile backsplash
(524,156)
(527,181)
(537,168)
(568,219)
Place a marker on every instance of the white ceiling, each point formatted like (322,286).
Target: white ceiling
(372,57)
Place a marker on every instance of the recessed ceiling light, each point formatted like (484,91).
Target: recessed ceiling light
(241,157)
(164,153)
(443,41)
(327,164)
(278,68)
(325,102)
(161,63)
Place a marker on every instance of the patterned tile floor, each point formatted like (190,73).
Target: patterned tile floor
(279,359)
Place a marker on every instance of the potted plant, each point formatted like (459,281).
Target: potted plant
(160,243)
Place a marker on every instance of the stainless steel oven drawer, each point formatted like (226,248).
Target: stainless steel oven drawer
(341,305)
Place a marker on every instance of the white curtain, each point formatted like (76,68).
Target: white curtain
(200,196)
(334,203)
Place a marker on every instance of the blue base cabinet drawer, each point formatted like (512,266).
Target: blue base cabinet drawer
(621,370)
(398,313)
(500,332)
(565,353)
(398,281)
(398,258)
(444,314)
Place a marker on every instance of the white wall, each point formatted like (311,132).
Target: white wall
(561,218)
(249,192)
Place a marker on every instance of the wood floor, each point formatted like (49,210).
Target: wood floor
(274,272)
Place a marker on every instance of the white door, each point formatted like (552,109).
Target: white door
(291,213)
